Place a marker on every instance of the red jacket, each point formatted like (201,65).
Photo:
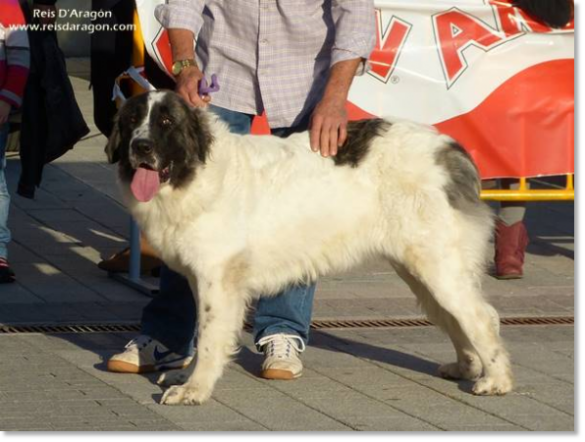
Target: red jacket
(14,53)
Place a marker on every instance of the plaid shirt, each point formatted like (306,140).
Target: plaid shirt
(273,55)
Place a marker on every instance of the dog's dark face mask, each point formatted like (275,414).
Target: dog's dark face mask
(158,139)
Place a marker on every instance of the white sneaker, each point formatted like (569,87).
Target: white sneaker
(146,355)
(281,356)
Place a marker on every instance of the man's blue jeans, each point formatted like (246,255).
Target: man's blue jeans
(4,195)
(170,316)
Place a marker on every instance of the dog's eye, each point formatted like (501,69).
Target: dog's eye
(133,120)
(166,121)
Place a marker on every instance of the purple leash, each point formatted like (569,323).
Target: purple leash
(205,88)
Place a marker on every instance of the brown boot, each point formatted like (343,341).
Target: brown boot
(120,262)
(511,242)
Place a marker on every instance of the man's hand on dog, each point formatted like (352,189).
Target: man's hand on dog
(188,87)
(329,126)
(329,120)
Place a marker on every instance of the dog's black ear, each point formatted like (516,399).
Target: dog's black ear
(200,133)
(113,146)
(555,13)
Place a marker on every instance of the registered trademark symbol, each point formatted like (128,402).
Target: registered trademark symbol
(395,79)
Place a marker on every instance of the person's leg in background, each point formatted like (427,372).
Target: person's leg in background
(511,236)
(6,273)
(282,323)
(169,320)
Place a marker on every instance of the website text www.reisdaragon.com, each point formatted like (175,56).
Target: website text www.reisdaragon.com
(90,28)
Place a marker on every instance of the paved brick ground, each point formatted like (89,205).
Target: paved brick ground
(358,379)
(354,380)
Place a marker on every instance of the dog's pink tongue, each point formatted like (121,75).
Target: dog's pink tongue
(145,184)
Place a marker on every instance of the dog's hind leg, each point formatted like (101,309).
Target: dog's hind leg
(221,312)
(452,286)
(468,365)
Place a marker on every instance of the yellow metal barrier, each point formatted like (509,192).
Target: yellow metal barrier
(523,193)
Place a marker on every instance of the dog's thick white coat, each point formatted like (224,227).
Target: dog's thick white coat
(265,212)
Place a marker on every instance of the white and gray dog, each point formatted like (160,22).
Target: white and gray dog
(243,216)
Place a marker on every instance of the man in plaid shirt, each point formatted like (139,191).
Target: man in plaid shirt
(294,60)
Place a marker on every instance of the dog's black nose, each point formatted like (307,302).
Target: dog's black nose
(143,146)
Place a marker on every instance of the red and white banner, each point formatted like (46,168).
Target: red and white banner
(479,70)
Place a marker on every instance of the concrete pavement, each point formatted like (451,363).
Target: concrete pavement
(369,380)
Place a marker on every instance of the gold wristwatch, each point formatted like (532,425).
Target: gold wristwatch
(179,65)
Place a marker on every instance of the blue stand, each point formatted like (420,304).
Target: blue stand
(134,279)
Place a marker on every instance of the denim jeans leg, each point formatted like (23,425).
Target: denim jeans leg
(238,122)
(4,195)
(289,312)
(170,317)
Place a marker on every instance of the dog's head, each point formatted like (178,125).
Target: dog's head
(158,139)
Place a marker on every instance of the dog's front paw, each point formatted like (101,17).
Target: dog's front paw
(173,377)
(183,395)
(490,386)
